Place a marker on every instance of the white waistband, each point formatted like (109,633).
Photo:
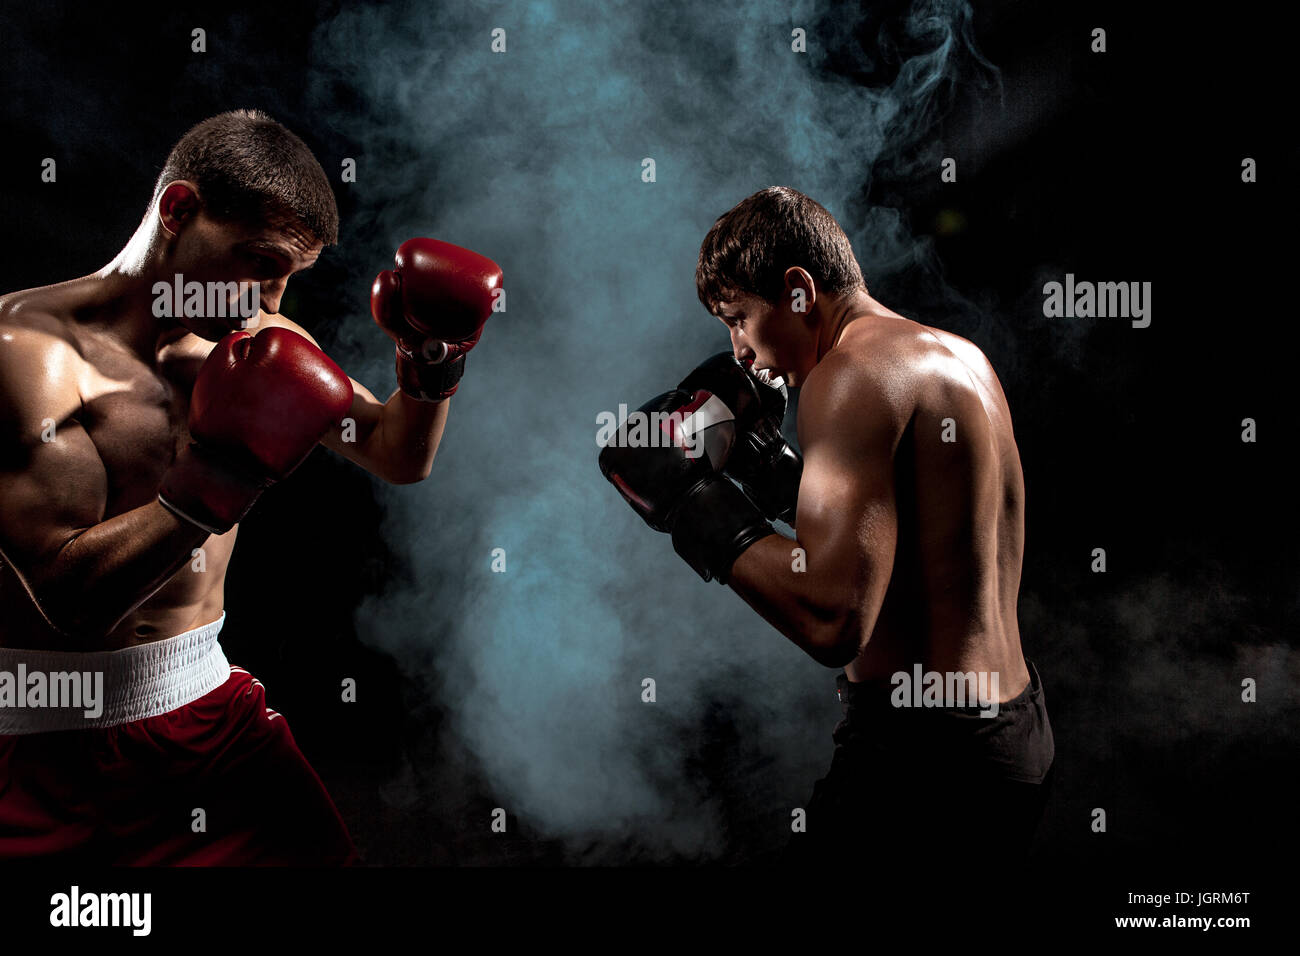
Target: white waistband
(114,687)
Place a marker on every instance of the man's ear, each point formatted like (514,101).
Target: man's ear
(178,204)
(800,292)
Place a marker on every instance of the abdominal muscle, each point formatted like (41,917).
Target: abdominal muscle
(194,596)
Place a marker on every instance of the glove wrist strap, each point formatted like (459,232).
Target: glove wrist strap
(714,525)
(208,491)
(428,381)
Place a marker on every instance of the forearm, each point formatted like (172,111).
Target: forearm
(773,576)
(396,441)
(107,571)
(408,435)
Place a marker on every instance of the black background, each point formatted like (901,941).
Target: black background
(1117,166)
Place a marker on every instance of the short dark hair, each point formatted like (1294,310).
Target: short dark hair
(751,246)
(249,168)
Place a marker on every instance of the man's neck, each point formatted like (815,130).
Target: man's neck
(840,313)
(125,292)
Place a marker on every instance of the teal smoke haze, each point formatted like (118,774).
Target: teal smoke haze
(535,157)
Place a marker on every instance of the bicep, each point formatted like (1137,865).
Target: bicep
(365,410)
(846,515)
(847,518)
(364,415)
(52,480)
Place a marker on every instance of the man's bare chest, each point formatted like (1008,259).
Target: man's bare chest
(136,417)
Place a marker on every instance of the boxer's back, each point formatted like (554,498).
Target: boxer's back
(951,600)
(116,421)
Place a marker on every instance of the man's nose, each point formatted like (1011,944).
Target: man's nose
(739,349)
(270,294)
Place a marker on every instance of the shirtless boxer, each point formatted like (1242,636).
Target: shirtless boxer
(909,518)
(130,447)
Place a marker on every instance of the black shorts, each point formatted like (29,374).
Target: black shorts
(915,783)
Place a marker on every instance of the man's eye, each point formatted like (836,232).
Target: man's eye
(264,265)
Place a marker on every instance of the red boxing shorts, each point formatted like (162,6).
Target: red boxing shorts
(158,755)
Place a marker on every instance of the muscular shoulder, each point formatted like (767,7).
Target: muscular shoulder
(881,359)
(267,320)
(969,359)
(928,364)
(40,369)
(950,383)
(887,371)
(860,388)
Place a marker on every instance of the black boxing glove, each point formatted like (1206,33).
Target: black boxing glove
(664,461)
(762,461)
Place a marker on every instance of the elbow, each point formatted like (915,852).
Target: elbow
(408,477)
(67,605)
(82,618)
(837,641)
(85,635)
(74,619)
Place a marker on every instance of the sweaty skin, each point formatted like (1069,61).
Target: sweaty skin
(913,545)
(89,560)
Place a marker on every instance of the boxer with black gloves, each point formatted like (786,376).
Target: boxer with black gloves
(908,513)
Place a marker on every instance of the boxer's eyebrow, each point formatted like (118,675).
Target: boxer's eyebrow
(283,252)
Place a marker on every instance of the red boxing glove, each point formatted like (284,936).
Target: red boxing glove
(434,305)
(259,406)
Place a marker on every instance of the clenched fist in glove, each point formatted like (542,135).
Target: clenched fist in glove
(433,304)
(665,462)
(762,461)
(259,406)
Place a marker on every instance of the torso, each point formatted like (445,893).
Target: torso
(135,414)
(951,600)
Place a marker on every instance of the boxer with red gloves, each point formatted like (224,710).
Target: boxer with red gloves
(135,442)
(433,305)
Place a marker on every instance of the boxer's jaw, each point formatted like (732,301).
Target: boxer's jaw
(769,338)
(197,254)
(249,256)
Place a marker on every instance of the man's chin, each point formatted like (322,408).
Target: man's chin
(770,376)
(214,330)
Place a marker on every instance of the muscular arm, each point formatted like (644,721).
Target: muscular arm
(84,573)
(846,521)
(395,440)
